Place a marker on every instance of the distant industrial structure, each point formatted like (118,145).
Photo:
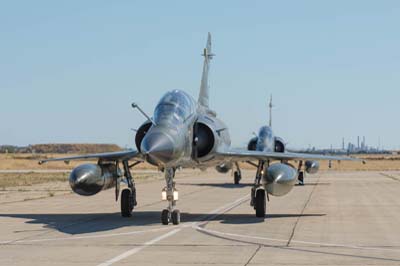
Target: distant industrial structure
(362,147)
(351,148)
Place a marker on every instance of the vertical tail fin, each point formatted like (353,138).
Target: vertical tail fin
(270,111)
(204,86)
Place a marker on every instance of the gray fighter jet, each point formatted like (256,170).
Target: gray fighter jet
(184,133)
(266,141)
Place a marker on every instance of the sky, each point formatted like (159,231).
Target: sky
(69,70)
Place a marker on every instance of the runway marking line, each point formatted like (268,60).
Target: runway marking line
(213,214)
(137,249)
(213,232)
(82,237)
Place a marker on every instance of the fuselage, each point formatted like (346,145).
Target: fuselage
(184,134)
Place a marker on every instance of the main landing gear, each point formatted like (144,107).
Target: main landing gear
(301,174)
(170,194)
(237,175)
(128,195)
(258,193)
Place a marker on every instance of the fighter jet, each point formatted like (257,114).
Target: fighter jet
(266,141)
(185,133)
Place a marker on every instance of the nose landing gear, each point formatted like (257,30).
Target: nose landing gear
(170,194)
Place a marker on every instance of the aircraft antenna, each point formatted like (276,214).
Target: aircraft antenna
(136,106)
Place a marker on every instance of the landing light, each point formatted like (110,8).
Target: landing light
(176,195)
(165,196)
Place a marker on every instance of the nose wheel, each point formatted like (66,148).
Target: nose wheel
(173,217)
(170,194)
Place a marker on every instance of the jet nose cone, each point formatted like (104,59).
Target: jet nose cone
(158,147)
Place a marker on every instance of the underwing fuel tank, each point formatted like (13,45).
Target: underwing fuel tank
(90,179)
(223,168)
(279,179)
(312,167)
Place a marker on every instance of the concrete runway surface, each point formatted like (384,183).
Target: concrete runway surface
(337,218)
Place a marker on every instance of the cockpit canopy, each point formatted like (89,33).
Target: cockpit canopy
(265,132)
(265,138)
(174,107)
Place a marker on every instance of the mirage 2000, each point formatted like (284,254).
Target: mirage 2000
(266,141)
(184,133)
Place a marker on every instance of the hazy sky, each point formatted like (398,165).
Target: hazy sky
(70,70)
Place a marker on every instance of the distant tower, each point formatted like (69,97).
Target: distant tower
(364,144)
(270,111)
(358,142)
(342,143)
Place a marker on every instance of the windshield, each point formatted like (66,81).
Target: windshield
(174,107)
(265,137)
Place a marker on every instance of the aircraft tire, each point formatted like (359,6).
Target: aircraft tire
(165,217)
(300,178)
(126,203)
(176,217)
(236,178)
(260,203)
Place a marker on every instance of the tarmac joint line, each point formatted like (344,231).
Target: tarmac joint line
(302,212)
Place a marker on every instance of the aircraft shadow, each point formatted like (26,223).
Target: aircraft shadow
(75,224)
(219,185)
(242,185)
(313,184)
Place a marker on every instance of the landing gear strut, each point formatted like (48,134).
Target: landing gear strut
(237,175)
(170,194)
(128,195)
(258,194)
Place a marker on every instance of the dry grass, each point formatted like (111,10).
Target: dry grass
(376,162)
(29,179)
(30,162)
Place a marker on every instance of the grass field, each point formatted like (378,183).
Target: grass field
(29,179)
(30,162)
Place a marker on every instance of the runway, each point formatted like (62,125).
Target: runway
(337,218)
